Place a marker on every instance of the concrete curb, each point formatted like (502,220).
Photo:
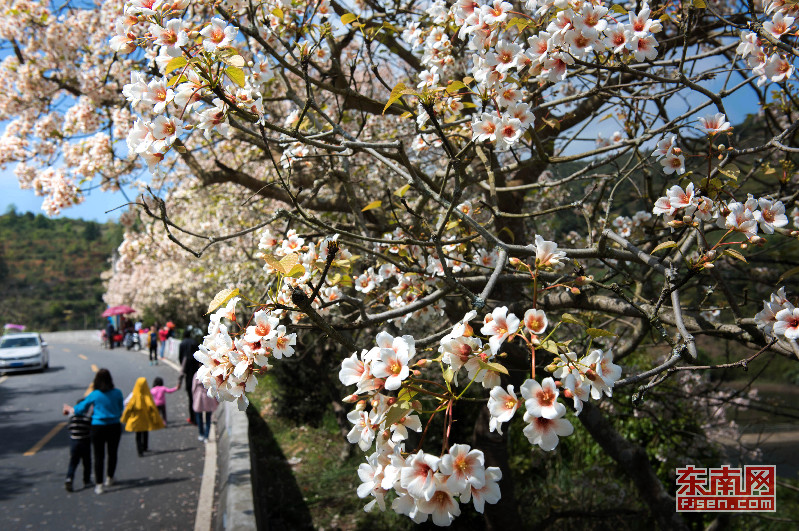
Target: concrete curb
(235,506)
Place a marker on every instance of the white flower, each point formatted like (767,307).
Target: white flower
(547,254)
(464,466)
(535,321)
(541,400)
(545,432)
(499,324)
(787,323)
(716,123)
(501,405)
(217,34)
(770,215)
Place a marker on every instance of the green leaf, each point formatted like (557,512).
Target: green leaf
(402,191)
(569,318)
(175,63)
(448,375)
(236,75)
(618,8)
(664,245)
(222,298)
(550,346)
(397,412)
(735,254)
(372,205)
(406,394)
(730,171)
(397,92)
(455,86)
(789,273)
(176,80)
(598,332)
(700,4)
(492,366)
(347,18)
(278,13)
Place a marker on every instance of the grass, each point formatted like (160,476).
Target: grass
(306,476)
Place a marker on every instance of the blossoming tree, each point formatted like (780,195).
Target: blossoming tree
(490,205)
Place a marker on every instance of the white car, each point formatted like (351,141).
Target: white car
(23,352)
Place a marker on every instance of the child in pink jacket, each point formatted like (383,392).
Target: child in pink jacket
(159,395)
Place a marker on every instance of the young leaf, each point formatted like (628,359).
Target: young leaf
(735,254)
(236,75)
(402,191)
(175,63)
(598,332)
(569,318)
(278,13)
(455,86)
(373,204)
(664,245)
(347,18)
(397,412)
(221,299)
(789,273)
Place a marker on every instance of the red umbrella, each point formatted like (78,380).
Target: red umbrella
(118,310)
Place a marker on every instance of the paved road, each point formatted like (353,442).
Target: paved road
(157,491)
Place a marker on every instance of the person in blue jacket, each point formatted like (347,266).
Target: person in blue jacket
(106,428)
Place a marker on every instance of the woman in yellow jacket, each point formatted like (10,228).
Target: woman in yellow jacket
(141,415)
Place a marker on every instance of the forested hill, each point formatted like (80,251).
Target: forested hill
(50,270)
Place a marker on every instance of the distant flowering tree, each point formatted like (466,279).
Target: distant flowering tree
(440,172)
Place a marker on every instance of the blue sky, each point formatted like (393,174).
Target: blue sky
(93,208)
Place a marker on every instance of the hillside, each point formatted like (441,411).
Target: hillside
(50,270)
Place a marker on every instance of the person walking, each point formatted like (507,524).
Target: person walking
(204,406)
(159,392)
(141,416)
(106,428)
(80,448)
(163,334)
(189,366)
(152,339)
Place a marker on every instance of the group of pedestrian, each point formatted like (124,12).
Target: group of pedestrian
(158,336)
(96,421)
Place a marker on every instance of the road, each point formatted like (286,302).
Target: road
(157,491)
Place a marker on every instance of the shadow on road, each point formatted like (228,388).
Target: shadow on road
(146,482)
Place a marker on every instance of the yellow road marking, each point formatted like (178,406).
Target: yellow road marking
(3,379)
(81,356)
(38,446)
(94,368)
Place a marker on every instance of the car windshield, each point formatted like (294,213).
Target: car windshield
(14,342)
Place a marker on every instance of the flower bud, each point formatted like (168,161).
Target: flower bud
(350,399)
(709,265)
(390,401)
(744,245)
(515,262)
(757,240)
(675,223)
(552,367)
(721,147)
(687,220)
(375,403)
(416,405)
(710,255)
(361,405)
(574,290)
(584,279)
(424,362)
(416,372)
(567,394)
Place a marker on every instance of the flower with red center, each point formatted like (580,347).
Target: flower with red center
(465,468)
(545,432)
(502,405)
(535,321)
(787,323)
(541,400)
(217,34)
(499,325)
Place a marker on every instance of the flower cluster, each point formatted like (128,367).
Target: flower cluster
(680,206)
(230,365)
(770,63)
(779,318)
